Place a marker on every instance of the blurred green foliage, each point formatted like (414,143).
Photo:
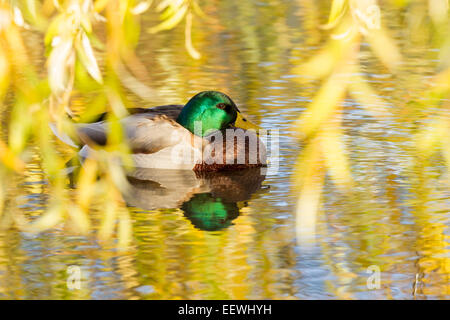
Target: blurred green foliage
(351,24)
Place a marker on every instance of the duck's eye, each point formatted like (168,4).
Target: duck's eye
(221,106)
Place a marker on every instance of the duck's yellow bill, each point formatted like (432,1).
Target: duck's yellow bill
(243,122)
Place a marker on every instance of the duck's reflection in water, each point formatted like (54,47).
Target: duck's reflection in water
(208,200)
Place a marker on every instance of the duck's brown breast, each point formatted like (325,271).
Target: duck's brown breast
(232,149)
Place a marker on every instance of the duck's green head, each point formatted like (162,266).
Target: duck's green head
(214,111)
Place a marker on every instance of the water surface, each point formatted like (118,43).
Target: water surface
(195,238)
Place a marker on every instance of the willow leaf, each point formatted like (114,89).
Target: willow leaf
(171,22)
(86,54)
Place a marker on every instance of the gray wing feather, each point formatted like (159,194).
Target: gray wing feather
(149,135)
(146,132)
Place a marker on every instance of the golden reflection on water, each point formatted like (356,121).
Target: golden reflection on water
(396,217)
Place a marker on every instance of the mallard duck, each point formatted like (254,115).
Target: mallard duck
(184,137)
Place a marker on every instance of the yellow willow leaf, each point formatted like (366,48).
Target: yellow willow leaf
(338,9)
(60,59)
(362,92)
(308,163)
(80,219)
(18,18)
(438,11)
(4,72)
(117,174)
(188,39)
(31,7)
(123,10)
(86,183)
(345,35)
(9,159)
(56,4)
(86,6)
(65,129)
(162,5)
(323,106)
(167,13)
(124,230)
(100,5)
(113,201)
(199,10)
(323,63)
(170,22)
(384,48)
(172,10)
(108,219)
(48,220)
(308,205)
(141,7)
(135,85)
(115,133)
(85,22)
(13,41)
(87,57)
(116,103)
(19,127)
(53,29)
(335,159)
(166,3)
